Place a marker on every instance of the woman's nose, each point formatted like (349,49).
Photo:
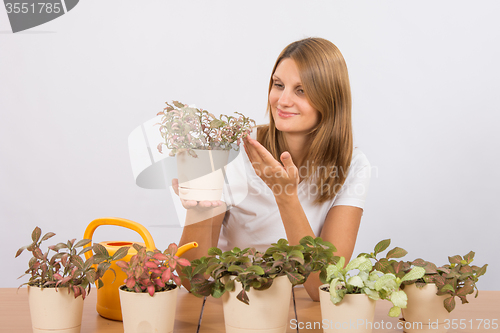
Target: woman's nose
(285,98)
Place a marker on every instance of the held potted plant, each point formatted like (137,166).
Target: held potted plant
(351,292)
(60,282)
(432,297)
(201,143)
(149,296)
(258,285)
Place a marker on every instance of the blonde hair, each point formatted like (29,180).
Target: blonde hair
(325,80)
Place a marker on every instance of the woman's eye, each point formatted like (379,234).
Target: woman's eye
(278,85)
(300,91)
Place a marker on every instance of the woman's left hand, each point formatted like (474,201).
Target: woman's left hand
(281,179)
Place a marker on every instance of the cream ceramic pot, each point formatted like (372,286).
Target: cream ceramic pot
(55,311)
(354,314)
(425,311)
(143,313)
(267,312)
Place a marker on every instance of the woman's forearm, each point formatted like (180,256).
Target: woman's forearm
(296,227)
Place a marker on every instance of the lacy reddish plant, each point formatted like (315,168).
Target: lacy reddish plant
(66,268)
(211,275)
(152,271)
(456,279)
(185,128)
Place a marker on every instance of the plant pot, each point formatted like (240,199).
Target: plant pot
(267,312)
(201,177)
(425,311)
(55,311)
(144,313)
(354,314)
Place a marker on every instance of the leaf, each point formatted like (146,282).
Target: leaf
(242,296)
(481,271)
(469,257)
(295,278)
(419,262)
(48,235)
(399,299)
(120,253)
(99,249)
(234,268)
(382,245)
(394,311)
(396,252)
(455,259)
(20,251)
(83,242)
(356,281)
(414,274)
(35,235)
(447,287)
(183,262)
(383,265)
(77,261)
(256,269)
(465,290)
(229,285)
(449,303)
(214,251)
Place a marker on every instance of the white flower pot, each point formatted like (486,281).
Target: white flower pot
(267,312)
(143,313)
(354,314)
(55,311)
(424,311)
(201,178)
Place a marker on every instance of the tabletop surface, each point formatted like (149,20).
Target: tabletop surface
(477,316)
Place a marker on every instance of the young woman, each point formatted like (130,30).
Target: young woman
(302,174)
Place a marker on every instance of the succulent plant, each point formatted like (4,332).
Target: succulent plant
(185,128)
(456,279)
(66,268)
(152,271)
(255,269)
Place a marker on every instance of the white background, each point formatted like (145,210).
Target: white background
(424,78)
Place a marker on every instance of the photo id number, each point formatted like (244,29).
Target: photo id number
(40,7)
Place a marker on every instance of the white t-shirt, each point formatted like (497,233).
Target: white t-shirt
(253,218)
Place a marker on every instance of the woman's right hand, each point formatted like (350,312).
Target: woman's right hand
(193,204)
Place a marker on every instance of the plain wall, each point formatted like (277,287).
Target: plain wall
(424,79)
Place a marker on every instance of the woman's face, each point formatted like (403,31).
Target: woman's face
(290,108)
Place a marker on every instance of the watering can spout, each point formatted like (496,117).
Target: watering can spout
(185,247)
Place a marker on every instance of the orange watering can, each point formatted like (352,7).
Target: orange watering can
(108,299)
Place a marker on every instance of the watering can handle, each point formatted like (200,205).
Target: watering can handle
(139,228)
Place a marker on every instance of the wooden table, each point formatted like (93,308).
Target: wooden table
(15,317)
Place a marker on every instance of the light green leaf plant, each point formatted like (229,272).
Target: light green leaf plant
(360,277)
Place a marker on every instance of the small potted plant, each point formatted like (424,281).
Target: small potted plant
(258,285)
(201,143)
(351,292)
(59,282)
(149,296)
(432,297)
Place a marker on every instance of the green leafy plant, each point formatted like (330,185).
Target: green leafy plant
(65,267)
(185,128)
(456,279)
(367,280)
(152,271)
(211,275)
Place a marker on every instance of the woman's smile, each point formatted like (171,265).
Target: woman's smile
(286,114)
